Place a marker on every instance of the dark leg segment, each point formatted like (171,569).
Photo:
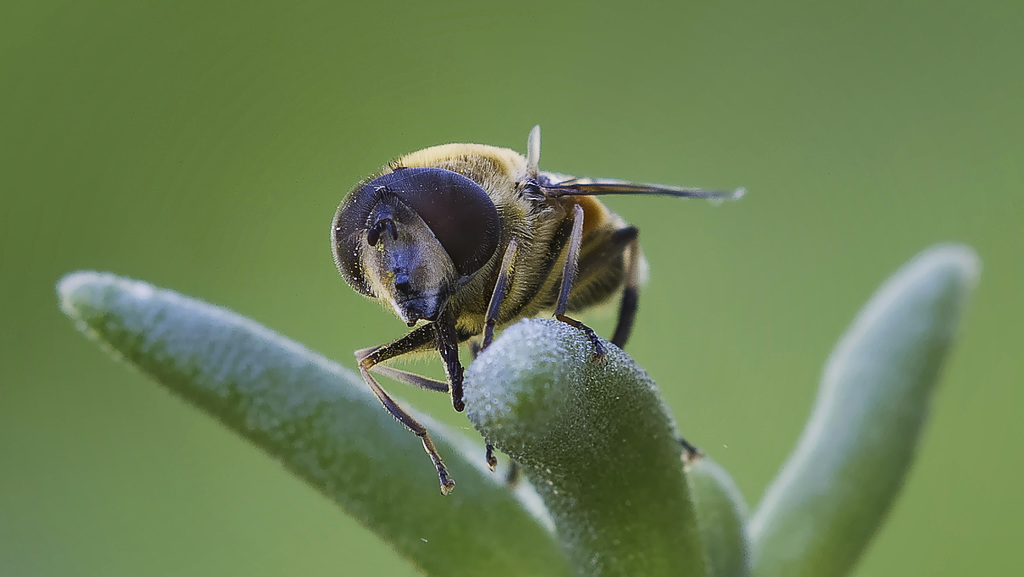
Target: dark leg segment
(416,340)
(690,453)
(508,261)
(500,289)
(630,294)
(512,477)
(411,379)
(404,376)
(447,340)
(492,462)
(569,275)
(410,342)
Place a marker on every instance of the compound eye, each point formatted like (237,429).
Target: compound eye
(455,208)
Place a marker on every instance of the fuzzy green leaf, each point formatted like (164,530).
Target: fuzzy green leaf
(836,488)
(597,442)
(322,423)
(722,516)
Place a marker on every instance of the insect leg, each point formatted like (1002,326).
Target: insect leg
(491,319)
(411,379)
(631,292)
(447,339)
(690,452)
(500,288)
(404,376)
(410,342)
(569,275)
(512,476)
(492,462)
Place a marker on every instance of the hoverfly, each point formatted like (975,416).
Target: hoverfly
(462,239)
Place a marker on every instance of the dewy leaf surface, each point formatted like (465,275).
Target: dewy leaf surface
(597,442)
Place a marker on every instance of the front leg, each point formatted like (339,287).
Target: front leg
(368,358)
(446,337)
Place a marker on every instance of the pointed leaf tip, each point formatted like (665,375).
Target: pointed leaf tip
(836,488)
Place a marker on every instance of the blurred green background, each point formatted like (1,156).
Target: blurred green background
(204,147)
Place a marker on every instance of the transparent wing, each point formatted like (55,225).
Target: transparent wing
(556,185)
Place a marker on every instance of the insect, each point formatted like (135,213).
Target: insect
(462,239)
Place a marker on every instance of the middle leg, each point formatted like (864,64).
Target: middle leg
(491,320)
(568,276)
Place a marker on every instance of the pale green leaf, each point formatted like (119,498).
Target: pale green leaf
(322,423)
(849,464)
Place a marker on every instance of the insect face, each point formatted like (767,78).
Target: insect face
(409,238)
